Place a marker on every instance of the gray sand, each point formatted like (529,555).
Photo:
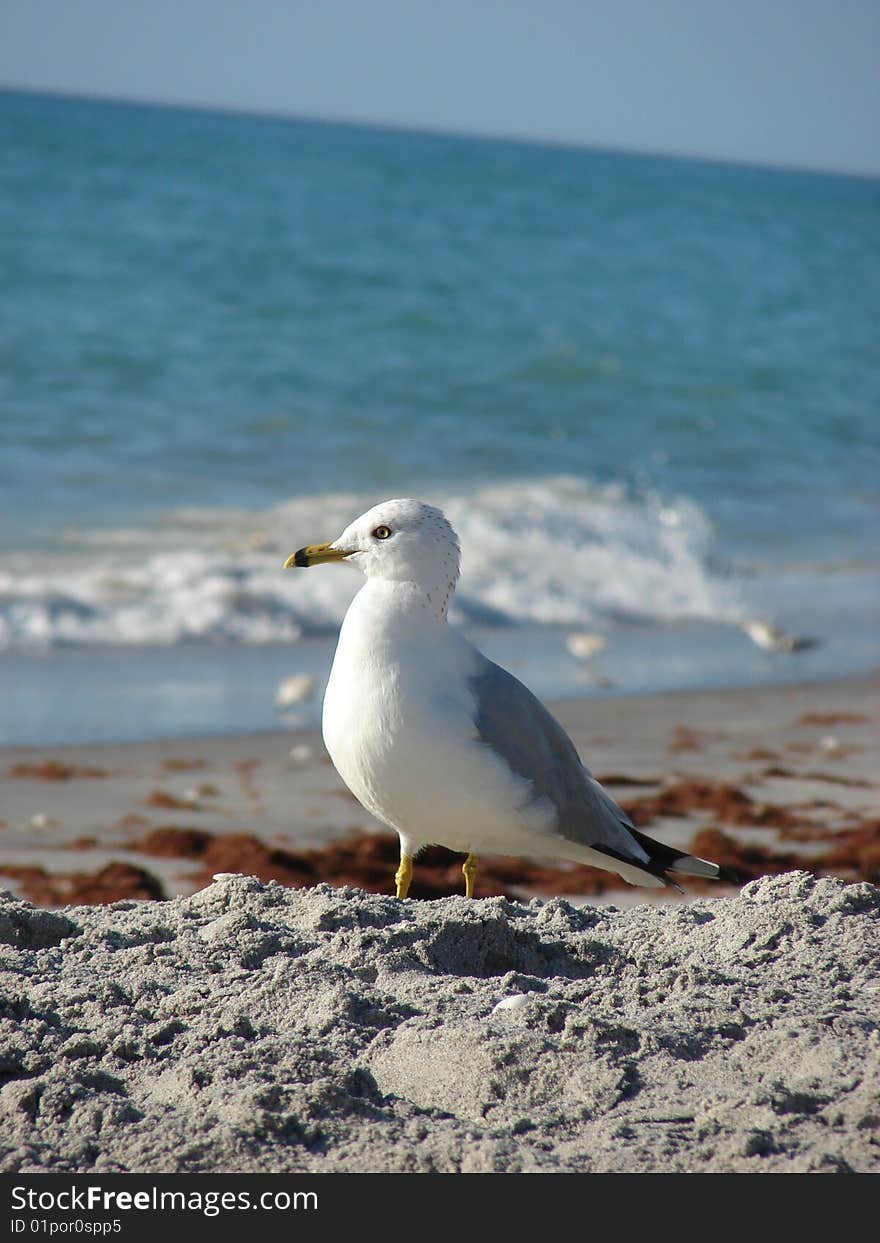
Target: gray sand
(251,1027)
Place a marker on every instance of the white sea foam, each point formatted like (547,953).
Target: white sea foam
(554,551)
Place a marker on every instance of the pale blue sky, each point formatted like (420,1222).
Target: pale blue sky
(792,82)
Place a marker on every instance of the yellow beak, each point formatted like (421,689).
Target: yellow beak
(315,554)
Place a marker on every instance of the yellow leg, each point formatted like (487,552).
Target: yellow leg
(403,875)
(469,867)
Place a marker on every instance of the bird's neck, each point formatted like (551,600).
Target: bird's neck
(399,602)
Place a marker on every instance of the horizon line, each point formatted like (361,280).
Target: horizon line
(433,131)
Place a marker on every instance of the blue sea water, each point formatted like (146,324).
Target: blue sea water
(647,392)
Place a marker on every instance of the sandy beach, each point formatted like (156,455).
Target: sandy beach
(163,1013)
(255,1027)
(761,780)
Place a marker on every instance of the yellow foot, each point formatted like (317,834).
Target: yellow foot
(469,867)
(403,875)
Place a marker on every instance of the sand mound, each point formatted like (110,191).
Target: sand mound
(257,1028)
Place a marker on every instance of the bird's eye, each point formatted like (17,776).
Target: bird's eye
(382,532)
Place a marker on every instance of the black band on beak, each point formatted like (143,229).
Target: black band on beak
(314,554)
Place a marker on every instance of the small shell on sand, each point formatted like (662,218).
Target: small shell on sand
(515,1001)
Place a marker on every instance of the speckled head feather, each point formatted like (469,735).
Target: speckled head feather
(404,541)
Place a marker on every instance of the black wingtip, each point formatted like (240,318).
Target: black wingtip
(664,859)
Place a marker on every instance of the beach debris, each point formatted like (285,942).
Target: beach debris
(41,821)
(182,764)
(203,790)
(772,639)
(584,644)
(189,801)
(131,820)
(758,753)
(777,770)
(301,753)
(362,860)
(114,882)
(725,802)
(624,779)
(54,770)
(294,690)
(683,738)
(832,718)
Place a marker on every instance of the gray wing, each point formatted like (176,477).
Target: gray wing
(518,727)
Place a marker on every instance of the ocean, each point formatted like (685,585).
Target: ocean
(645,390)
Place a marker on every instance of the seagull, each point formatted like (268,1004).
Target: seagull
(764,634)
(294,690)
(444,746)
(584,645)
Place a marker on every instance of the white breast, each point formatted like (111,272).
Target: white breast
(398,724)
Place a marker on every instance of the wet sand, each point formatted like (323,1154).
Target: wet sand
(763,781)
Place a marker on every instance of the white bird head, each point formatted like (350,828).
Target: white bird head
(400,541)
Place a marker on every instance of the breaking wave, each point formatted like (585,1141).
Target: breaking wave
(558,551)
